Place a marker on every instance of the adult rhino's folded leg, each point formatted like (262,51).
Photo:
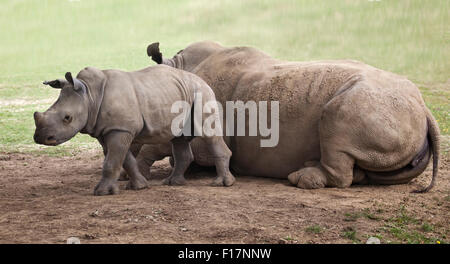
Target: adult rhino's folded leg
(134,148)
(335,169)
(221,155)
(117,145)
(183,156)
(335,172)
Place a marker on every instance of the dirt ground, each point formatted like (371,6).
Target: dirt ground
(48,199)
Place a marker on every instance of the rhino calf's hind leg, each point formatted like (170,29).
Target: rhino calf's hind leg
(151,153)
(137,181)
(135,148)
(144,165)
(183,156)
(221,155)
(123,176)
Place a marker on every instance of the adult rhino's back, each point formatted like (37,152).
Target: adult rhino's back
(245,73)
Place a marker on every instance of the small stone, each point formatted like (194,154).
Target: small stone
(151,217)
(94,214)
(5,157)
(73,240)
(183,229)
(90,236)
(373,240)
(282,241)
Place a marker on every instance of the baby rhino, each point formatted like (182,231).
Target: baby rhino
(120,108)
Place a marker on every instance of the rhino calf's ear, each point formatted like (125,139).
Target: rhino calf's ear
(77,84)
(58,83)
(154,53)
(69,77)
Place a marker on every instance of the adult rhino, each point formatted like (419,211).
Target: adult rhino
(341,121)
(120,108)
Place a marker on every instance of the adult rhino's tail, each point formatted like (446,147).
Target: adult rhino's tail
(418,164)
(433,134)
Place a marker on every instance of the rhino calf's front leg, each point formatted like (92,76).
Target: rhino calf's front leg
(117,145)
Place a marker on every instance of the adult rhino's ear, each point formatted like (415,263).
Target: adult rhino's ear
(154,53)
(58,83)
(77,84)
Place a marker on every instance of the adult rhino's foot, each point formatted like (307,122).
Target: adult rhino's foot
(123,175)
(226,180)
(308,178)
(359,177)
(137,183)
(174,180)
(105,187)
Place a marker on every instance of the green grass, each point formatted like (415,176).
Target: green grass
(43,39)
(350,233)
(289,238)
(401,227)
(366,213)
(426,227)
(314,229)
(351,217)
(406,228)
(437,99)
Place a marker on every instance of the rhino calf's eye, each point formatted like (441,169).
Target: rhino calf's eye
(67,119)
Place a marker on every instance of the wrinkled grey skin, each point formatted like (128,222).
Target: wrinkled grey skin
(341,121)
(123,108)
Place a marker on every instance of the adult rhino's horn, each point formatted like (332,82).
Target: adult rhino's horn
(154,53)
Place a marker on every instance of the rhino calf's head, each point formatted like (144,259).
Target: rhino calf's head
(66,117)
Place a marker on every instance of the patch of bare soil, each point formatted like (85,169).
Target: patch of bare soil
(48,199)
